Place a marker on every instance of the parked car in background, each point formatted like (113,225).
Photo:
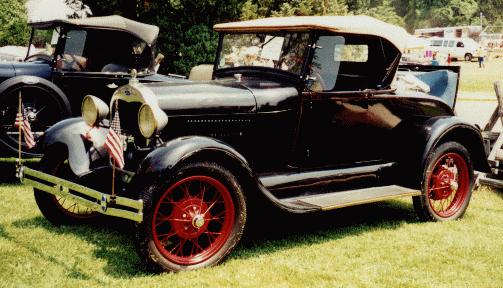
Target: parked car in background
(458,48)
(81,56)
(301,116)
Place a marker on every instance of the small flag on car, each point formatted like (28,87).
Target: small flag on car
(24,127)
(113,142)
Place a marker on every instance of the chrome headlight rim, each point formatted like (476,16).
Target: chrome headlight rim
(93,110)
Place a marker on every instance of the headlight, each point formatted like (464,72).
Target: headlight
(93,110)
(151,120)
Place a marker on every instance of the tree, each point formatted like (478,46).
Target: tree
(14,28)
(384,11)
(253,9)
(80,10)
(453,12)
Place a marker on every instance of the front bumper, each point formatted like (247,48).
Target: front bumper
(94,200)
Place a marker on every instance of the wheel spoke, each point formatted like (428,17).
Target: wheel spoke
(198,204)
(202,189)
(166,236)
(197,246)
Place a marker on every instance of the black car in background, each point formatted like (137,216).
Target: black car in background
(81,56)
(304,114)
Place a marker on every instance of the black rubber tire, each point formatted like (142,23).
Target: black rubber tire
(146,248)
(421,203)
(60,107)
(468,57)
(53,163)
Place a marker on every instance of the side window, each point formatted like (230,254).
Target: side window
(460,45)
(436,43)
(75,41)
(325,65)
(72,58)
(345,63)
(351,53)
(451,43)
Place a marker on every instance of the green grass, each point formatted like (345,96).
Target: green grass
(474,79)
(378,245)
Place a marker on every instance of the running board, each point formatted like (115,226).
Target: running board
(103,203)
(342,199)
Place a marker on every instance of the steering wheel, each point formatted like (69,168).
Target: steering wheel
(39,57)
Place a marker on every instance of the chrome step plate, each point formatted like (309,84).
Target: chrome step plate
(342,199)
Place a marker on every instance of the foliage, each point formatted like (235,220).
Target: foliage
(197,47)
(260,8)
(384,11)
(80,10)
(14,29)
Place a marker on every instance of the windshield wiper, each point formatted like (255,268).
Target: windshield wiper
(272,38)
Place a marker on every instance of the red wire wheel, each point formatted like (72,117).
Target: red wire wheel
(448,185)
(192,220)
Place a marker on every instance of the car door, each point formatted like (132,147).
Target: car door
(336,127)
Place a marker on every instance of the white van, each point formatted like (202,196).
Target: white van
(459,48)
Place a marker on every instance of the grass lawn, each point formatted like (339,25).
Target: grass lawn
(378,245)
(473,79)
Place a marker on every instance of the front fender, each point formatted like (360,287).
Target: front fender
(166,157)
(84,144)
(163,161)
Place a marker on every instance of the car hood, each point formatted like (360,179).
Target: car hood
(11,69)
(221,96)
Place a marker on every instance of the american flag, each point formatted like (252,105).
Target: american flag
(113,142)
(22,121)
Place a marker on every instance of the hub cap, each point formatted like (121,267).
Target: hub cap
(448,185)
(192,220)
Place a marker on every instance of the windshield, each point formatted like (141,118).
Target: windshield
(44,41)
(94,50)
(283,51)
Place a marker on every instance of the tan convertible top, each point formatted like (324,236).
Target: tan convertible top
(344,24)
(146,32)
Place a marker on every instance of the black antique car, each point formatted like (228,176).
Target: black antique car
(301,115)
(74,58)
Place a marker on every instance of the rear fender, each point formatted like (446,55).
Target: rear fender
(85,144)
(419,137)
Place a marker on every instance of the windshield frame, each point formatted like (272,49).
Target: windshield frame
(261,69)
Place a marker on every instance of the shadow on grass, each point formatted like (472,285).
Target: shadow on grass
(72,271)
(114,238)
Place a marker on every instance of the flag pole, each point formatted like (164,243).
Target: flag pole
(112,198)
(20,129)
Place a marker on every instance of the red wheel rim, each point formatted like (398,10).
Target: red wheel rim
(448,185)
(193,220)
